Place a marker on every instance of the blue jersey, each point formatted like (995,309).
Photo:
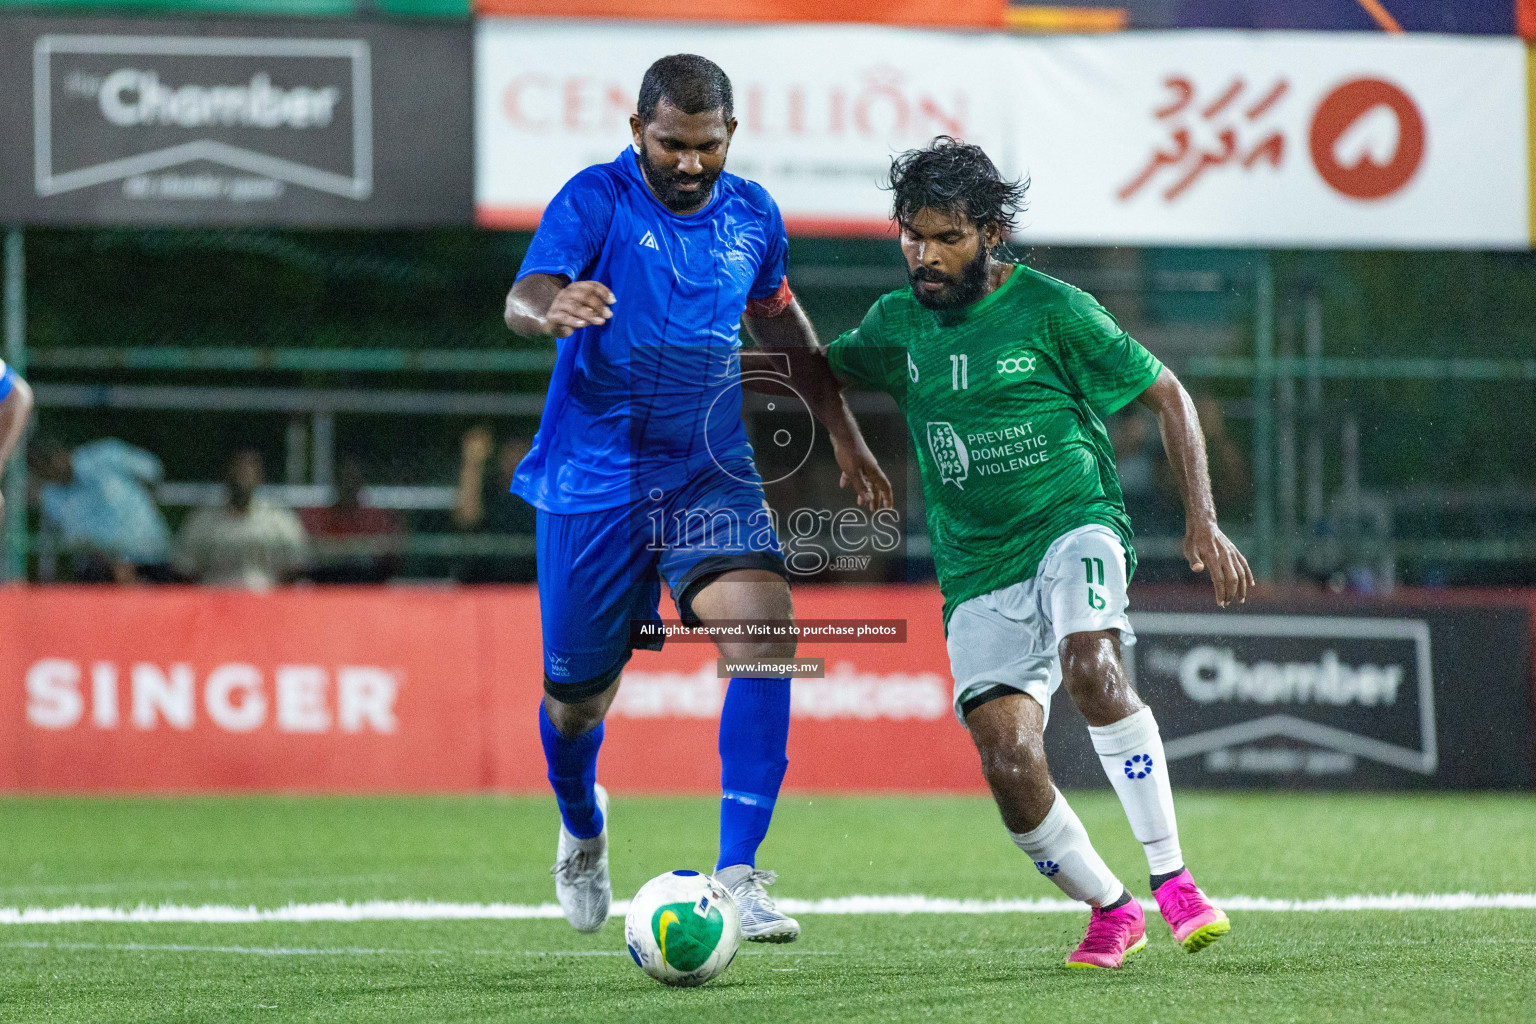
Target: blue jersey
(653,396)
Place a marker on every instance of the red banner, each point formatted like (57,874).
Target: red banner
(958,13)
(395,689)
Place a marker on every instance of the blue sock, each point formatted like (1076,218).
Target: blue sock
(572,764)
(754,727)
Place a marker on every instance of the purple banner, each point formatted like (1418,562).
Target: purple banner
(1468,17)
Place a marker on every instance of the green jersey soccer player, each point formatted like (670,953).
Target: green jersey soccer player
(1004,376)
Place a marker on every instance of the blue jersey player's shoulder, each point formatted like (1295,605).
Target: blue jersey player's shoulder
(755,195)
(575,223)
(774,254)
(757,199)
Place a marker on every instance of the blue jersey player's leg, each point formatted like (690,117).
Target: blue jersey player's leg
(594,579)
(754,729)
(723,563)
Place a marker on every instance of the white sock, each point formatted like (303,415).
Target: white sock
(1061,852)
(1131,751)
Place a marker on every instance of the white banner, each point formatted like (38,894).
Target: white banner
(1197,138)
(821,108)
(1277,139)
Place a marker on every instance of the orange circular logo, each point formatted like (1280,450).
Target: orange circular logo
(1342,149)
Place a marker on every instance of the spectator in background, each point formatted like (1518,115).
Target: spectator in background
(98,500)
(486,505)
(376,533)
(247,542)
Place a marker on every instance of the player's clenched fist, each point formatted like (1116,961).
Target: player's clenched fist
(579,304)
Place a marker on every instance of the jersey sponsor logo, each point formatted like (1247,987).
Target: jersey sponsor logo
(649,242)
(1017,367)
(950,455)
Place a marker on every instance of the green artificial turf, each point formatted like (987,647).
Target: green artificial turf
(1472,965)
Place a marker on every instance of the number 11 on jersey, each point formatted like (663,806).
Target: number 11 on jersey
(959,372)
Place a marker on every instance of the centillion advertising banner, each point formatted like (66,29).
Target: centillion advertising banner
(1177,138)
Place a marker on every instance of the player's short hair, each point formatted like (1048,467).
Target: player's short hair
(691,83)
(955,177)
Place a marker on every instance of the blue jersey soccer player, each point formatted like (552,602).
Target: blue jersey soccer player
(641,468)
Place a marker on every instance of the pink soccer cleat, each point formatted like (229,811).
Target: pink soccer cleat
(1195,920)
(1112,936)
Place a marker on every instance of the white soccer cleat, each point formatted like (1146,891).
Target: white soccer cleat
(760,919)
(582,884)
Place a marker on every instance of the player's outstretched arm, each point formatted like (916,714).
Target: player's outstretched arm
(789,331)
(15,411)
(1205,545)
(551,306)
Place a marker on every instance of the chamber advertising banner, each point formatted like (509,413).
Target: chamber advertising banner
(1198,138)
(1327,693)
(234,122)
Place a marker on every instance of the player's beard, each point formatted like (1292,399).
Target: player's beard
(665,185)
(958,291)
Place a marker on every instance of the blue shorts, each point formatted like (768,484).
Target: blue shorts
(600,573)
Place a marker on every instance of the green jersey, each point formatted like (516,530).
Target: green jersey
(1004,399)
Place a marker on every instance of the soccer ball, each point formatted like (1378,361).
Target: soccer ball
(682,928)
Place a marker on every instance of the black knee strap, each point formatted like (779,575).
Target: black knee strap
(986,697)
(575,693)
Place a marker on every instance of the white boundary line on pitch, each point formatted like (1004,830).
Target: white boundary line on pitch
(150,947)
(429,910)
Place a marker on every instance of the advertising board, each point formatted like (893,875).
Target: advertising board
(419,689)
(234,122)
(1170,138)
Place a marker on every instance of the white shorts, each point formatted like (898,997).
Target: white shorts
(1009,638)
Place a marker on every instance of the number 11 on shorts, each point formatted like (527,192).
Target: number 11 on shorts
(1089,565)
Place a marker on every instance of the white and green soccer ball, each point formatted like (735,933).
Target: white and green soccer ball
(682,928)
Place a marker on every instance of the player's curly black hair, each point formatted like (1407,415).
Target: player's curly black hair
(691,83)
(955,177)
